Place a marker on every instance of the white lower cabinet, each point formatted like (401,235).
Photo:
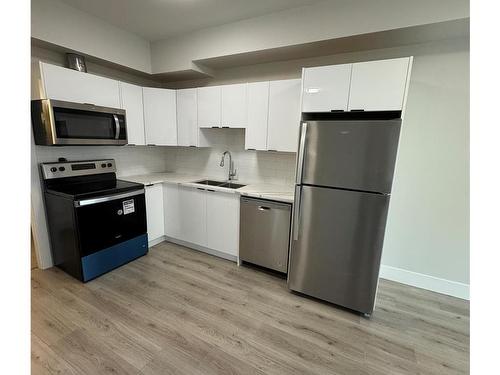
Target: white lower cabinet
(206,218)
(192,215)
(154,211)
(171,210)
(223,222)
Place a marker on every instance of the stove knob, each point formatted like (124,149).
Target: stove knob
(103,165)
(62,169)
(53,169)
(110,165)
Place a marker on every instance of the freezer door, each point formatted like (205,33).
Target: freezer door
(356,155)
(337,245)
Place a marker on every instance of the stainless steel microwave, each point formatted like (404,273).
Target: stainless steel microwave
(59,123)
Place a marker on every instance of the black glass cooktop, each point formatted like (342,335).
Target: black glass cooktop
(94,188)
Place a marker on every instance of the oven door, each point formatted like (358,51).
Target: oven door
(109,220)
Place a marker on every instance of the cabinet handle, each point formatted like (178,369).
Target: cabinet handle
(213,191)
(201,189)
(192,145)
(336,110)
(357,110)
(225,127)
(149,185)
(150,144)
(215,127)
(272,150)
(251,149)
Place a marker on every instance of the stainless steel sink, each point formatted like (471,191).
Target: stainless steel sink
(209,182)
(224,184)
(231,185)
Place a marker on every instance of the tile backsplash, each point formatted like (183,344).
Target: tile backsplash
(251,166)
(130,160)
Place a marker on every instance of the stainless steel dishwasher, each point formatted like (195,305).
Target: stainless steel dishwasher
(265,233)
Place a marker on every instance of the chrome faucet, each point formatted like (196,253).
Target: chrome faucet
(232,171)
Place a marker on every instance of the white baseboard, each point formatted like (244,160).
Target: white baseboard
(204,249)
(419,280)
(156,241)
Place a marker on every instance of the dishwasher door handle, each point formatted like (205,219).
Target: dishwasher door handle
(263,208)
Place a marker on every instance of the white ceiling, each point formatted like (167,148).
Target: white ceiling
(159,19)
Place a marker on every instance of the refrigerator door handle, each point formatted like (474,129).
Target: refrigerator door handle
(296,212)
(300,154)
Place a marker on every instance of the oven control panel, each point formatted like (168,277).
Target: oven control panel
(77,168)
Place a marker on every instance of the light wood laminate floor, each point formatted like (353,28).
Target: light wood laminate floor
(178,311)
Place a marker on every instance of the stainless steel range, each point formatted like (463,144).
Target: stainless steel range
(96,222)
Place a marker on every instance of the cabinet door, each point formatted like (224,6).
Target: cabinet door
(258,110)
(223,222)
(131,102)
(154,211)
(326,88)
(171,210)
(234,105)
(284,115)
(187,118)
(192,216)
(160,117)
(73,86)
(378,85)
(209,107)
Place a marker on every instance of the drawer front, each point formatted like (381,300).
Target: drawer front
(265,233)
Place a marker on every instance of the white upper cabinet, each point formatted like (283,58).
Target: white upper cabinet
(209,107)
(326,88)
(154,211)
(72,86)
(160,117)
(234,106)
(223,222)
(284,115)
(258,110)
(131,102)
(187,117)
(378,85)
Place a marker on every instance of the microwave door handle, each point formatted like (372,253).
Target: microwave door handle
(117,127)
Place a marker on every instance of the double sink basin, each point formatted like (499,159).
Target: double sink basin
(224,184)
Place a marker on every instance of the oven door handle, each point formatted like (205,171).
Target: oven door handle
(117,127)
(107,198)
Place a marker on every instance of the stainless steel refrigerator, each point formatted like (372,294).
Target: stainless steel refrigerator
(343,183)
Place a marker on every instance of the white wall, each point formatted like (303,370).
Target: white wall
(58,23)
(317,22)
(428,225)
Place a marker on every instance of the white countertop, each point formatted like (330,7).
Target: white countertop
(276,192)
